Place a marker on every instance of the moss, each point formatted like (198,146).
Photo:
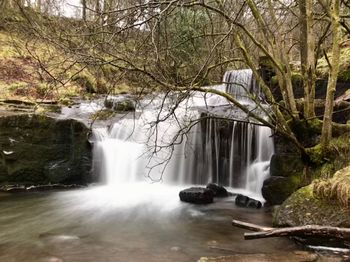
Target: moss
(7,45)
(103,114)
(344,64)
(274,81)
(86,81)
(297,79)
(124,106)
(265,62)
(307,131)
(316,155)
(276,189)
(344,76)
(122,88)
(303,208)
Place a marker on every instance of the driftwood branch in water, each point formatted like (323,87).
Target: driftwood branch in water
(250,226)
(301,231)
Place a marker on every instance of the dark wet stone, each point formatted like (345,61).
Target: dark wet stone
(276,189)
(34,188)
(37,149)
(53,187)
(197,195)
(244,201)
(219,191)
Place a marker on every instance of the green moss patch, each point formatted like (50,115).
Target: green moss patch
(344,65)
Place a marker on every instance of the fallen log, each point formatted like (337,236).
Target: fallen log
(300,231)
(303,231)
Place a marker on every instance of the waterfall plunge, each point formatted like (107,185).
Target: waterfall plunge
(230,153)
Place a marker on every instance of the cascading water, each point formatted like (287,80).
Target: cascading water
(230,153)
(242,85)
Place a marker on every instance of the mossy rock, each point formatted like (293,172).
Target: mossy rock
(86,81)
(38,149)
(303,208)
(286,165)
(124,106)
(307,132)
(344,76)
(103,114)
(277,189)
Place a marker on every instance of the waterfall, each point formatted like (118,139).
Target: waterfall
(235,154)
(242,85)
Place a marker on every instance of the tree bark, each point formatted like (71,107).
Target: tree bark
(38,5)
(307,56)
(333,75)
(83,3)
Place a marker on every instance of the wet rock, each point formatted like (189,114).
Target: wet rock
(197,195)
(37,149)
(53,187)
(276,189)
(219,191)
(120,104)
(35,188)
(285,165)
(244,201)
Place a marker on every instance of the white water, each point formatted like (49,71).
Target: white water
(136,149)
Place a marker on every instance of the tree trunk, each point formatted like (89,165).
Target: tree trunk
(98,11)
(333,75)
(83,3)
(307,56)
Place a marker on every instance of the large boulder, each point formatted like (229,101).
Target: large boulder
(303,208)
(120,104)
(244,201)
(197,195)
(277,189)
(219,191)
(36,149)
(286,165)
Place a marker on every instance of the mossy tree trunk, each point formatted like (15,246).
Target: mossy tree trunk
(307,56)
(333,74)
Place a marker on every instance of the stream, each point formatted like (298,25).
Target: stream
(103,223)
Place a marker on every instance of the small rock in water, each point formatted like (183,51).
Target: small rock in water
(175,249)
(212,243)
(197,195)
(51,259)
(244,201)
(219,191)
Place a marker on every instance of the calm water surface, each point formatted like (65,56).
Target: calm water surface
(135,222)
